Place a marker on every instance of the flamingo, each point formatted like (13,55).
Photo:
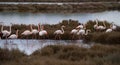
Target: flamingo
(6,33)
(74,32)
(109,30)
(102,27)
(27,33)
(96,26)
(83,32)
(113,26)
(42,32)
(34,31)
(59,32)
(81,26)
(14,36)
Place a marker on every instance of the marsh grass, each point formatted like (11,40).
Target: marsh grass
(110,38)
(64,55)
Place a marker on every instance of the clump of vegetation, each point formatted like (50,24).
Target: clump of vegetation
(7,55)
(110,38)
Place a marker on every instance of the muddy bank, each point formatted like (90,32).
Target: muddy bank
(63,8)
(59,0)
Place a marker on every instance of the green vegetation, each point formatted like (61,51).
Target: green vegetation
(64,55)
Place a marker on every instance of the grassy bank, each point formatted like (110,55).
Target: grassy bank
(94,36)
(64,8)
(64,55)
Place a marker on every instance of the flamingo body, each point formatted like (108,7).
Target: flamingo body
(101,27)
(114,27)
(109,30)
(34,31)
(81,32)
(42,32)
(26,32)
(80,26)
(13,36)
(74,31)
(6,33)
(58,32)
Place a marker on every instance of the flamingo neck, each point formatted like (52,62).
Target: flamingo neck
(17,32)
(87,31)
(62,30)
(38,28)
(2,28)
(31,27)
(10,28)
(96,22)
(42,27)
(104,24)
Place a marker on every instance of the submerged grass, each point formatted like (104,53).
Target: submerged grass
(65,55)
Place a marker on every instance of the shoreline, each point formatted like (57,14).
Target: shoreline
(59,7)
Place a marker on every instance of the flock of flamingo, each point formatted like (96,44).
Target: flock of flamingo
(79,30)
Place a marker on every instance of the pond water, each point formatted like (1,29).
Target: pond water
(29,46)
(53,18)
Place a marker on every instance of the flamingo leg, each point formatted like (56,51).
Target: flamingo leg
(5,45)
(59,37)
(35,36)
(55,36)
(73,37)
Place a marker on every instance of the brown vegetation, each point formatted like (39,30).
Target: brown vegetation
(59,0)
(65,55)
(65,8)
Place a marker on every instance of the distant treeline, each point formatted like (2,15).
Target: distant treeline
(59,0)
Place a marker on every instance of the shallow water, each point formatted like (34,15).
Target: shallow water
(29,46)
(53,18)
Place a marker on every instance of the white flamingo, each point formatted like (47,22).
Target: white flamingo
(108,30)
(102,27)
(27,33)
(113,26)
(6,33)
(59,32)
(42,32)
(14,36)
(74,32)
(34,31)
(82,32)
(81,26)
(96,25)
(99,27)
